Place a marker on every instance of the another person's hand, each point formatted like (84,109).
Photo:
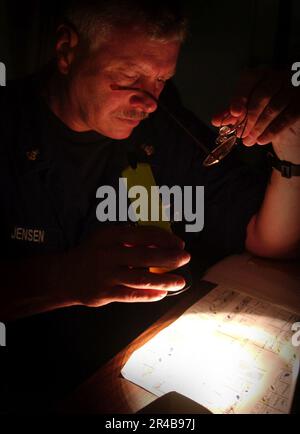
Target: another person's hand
(113,265)
(272,106)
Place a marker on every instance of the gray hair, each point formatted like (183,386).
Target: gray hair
(95,20)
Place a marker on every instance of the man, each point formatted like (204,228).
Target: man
(73,130)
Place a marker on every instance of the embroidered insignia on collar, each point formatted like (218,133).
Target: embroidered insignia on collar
(32,155)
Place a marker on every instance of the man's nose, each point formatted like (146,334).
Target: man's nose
(143,102)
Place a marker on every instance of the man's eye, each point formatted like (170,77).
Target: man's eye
(131,78)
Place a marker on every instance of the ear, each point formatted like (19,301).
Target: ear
(66,45)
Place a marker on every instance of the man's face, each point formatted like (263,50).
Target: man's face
(128,58)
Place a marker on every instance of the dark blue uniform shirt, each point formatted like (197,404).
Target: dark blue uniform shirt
(49,177)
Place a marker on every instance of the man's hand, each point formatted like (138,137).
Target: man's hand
(113,265)
(272,106)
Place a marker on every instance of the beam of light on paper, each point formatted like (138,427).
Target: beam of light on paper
(229,352)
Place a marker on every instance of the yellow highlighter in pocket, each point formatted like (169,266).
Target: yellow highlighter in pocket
(142,176)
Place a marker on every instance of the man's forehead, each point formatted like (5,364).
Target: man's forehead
(135,49)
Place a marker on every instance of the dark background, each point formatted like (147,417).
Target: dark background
(225,38)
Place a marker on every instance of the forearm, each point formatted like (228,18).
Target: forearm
(32,286)
(275,230)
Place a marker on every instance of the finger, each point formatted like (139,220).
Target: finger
(144,257)
(276,106)
(152,235)
(137,235)
(238,107)
(126,295)
(223,118)
(248,81)
(259,101)
(142,279)
(286,119)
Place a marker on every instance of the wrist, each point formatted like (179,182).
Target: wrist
(286,169)
(287,148)
(290,185)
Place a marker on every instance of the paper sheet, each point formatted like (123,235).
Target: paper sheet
(229,352)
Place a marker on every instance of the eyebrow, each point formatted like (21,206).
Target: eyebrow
(144,70)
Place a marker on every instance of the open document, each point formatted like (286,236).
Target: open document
(230,352)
